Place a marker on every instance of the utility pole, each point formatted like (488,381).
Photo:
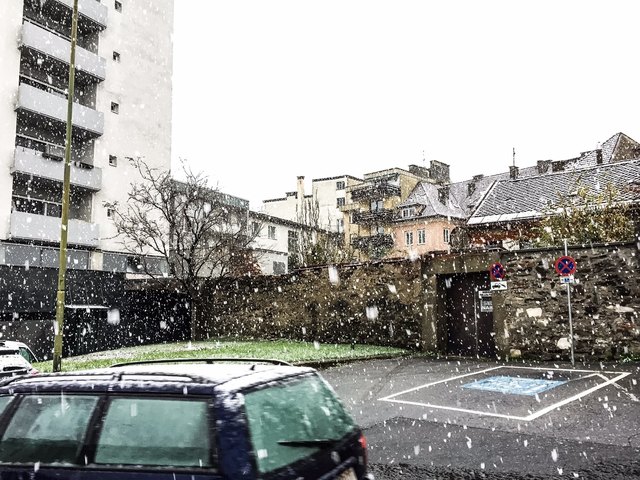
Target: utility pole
(60,297)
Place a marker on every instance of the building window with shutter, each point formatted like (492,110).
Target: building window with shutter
(446,235)
(422,237)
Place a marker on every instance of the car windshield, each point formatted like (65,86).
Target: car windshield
(291,420)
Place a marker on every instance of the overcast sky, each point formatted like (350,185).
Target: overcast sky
(267,90)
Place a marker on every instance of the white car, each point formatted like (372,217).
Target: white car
(22,348)
(15,359)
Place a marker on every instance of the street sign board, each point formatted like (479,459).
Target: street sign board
(566,280)
(501,285)
(486,304)
(565,266)
(497,271)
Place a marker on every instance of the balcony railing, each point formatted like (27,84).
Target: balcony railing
(382,216)
(92,15)
(53,106)
(33,162)
(43,228)
(372,241)
(374,190)
(40,41)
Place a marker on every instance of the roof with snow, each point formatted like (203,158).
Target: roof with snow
(527,198)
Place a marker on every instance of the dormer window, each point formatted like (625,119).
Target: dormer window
(408,212)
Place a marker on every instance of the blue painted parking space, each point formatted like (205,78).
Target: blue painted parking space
(514,385)
(517,393)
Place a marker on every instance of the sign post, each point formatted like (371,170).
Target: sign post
(497,273)
(565,267)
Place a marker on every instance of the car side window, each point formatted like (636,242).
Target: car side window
(47,429)
(286,418)
(155,432)
(26,354)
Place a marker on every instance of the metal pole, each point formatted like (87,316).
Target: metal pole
(57,343)
(569,304)
(475,316)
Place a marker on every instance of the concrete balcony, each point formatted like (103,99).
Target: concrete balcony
(92,15)
(89,66)
(29,226)
(41,103)
(373,241)
(373,190)
(32,162)
(382,217)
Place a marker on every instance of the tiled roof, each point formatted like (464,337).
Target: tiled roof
(527,197)
(463,197)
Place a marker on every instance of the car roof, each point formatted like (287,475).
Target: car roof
(12,344)
(226,376)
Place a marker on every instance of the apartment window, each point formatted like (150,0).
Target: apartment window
(340,202)
(255,228)
(407,212)
(113,160)
(115,108)
(422,237)
(408,238)
(272,232)
(340,225)
(446,236)
(340,185)
(36,206)
(118,6)
(378,230)
(116,57)
(293,241)
(377,205)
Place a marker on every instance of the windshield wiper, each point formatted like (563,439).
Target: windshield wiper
(312,442)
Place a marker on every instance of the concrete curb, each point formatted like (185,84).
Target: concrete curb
(341,361)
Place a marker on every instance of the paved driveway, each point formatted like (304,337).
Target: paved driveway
(496,418)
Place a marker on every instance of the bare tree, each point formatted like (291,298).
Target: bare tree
(587,216)
(200,233)
(314,245)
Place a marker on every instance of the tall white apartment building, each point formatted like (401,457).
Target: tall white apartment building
(320,209)
(122,110)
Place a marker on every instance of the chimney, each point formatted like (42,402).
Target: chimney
(439,172)
(543,166)
(599,156)
(443,194)
(300,192)
(513,172)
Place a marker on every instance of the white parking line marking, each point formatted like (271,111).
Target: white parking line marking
(455,409)
(531,417)
(436,383)
(576,397)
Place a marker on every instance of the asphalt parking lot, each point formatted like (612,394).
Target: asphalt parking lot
(488,418)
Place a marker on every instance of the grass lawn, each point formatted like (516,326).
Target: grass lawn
(289,351)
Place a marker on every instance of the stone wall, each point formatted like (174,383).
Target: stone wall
(400,304)
(378,303)
(605,304)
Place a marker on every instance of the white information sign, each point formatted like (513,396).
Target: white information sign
(502,285)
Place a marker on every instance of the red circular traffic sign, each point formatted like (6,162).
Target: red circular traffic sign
(565,266)
(497,271)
